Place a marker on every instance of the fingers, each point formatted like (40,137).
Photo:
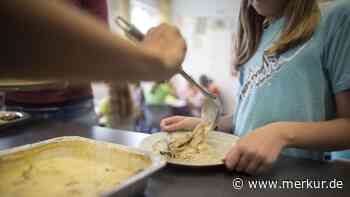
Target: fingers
(169,121)
(151,31)
(172,119)
(253,166)
(250,161)
(241,159)
(151,34)
(168,32)
(173,127)
(171,124)
(167,45)
(263,168)
(244,161)
(176,123)
(164,28)
(232,158)
(266,165)
(256,152)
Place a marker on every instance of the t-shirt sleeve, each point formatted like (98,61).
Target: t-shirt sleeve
(336,48)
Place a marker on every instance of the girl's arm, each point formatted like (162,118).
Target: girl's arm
(256,152)
(48,39)
(326,136)
(176,123)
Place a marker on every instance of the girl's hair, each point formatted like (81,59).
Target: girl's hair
(302,18)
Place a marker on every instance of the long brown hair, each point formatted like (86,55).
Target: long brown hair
(302,18)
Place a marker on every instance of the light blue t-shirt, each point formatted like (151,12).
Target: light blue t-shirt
(300,84)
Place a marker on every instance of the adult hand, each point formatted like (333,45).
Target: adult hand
(175,123)
(256,152)
(166,43)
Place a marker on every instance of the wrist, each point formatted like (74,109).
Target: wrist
(285,133)
(161,69)
(168,67)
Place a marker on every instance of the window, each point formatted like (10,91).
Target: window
(144,14)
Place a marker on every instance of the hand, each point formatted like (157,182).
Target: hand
(166,43)
(175,123)
(256,152)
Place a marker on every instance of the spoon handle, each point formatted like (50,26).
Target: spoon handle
(192,81)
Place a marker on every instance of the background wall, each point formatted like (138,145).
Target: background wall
(208,27)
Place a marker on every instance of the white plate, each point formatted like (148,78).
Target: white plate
(222,143)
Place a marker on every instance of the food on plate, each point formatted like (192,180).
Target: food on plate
(193,147)
(188,145)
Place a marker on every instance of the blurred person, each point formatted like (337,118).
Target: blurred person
(137,95)
(195,100)
(209,84)
(158,93)
(156,107)
(118,108)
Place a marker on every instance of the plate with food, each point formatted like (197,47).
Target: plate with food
(199,148)
(10,118)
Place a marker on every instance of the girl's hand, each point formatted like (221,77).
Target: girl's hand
(175,123)
(256,152)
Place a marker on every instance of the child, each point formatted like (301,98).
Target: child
(118,109)
(294,70)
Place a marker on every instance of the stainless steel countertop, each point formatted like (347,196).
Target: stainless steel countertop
(181,182)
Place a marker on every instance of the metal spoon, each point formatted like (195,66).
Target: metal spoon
(212,107)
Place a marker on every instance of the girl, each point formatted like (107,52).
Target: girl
(294,65)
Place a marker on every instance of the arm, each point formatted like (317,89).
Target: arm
(56,41)
(257,151)
(327,136)
(176,123)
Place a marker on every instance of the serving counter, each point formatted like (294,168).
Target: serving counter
(289,177)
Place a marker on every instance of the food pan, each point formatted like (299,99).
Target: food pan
(75,166)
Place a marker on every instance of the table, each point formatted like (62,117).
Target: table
(205,182)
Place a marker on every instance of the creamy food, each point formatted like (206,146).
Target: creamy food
(190,148)
(67,169)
